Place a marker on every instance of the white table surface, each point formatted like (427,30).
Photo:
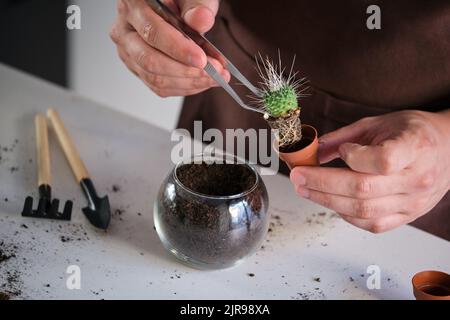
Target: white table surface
(129,261)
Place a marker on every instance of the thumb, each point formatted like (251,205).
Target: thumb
(199,14)
(385,158)
(329,144)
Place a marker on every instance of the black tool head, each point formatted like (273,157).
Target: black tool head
(98,211)
(47,209)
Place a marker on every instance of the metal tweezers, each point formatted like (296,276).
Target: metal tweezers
(170,17)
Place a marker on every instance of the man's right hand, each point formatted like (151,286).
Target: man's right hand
(165,60)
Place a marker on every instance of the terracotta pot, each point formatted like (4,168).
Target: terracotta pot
(431,285)
(306,156)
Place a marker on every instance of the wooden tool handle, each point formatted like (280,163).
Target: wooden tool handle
(43,154)
(77,165)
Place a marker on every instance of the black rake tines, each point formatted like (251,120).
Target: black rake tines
(47,208)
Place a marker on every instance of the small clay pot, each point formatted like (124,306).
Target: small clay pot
(307,154)
(431,285)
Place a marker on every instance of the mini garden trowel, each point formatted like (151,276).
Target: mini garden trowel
(98,211)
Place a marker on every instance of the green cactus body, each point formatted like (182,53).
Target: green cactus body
(281,101)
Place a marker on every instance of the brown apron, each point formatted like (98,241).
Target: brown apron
(354,72)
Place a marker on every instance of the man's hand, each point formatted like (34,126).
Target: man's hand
(165,60)
(399,169)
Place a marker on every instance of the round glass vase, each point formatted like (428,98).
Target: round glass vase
(210,213)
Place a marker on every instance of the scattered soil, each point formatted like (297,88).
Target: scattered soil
(116,188)
(202,228)
(5,256)
(4,151)
(10,283)
(13,169)
(251,275)
(321,218)
(315,294)
(4,296)
(70,238)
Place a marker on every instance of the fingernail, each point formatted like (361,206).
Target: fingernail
(188,14)
(299,180)
(303,192)
(196,61)
(204,24)
(226,76)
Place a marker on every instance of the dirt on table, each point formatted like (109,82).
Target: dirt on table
(10,286)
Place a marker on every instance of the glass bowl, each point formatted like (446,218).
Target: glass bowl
(211,213)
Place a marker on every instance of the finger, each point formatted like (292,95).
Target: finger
(220,68)
(165,86)
(386,158)
(123,55)
(162,36)
(379,225)
(165,93)
(154,61)
(345,182)
(118,29)
(329,143)
(357,208)
(164,82)
(199,14)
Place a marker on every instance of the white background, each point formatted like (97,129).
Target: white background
(95,70)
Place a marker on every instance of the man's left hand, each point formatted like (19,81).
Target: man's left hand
(399,169)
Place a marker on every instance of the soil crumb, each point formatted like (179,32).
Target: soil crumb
(4,296)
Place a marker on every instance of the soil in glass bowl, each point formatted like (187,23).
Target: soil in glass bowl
(212,215)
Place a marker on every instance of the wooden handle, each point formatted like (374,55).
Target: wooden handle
(77,165)
(43,154)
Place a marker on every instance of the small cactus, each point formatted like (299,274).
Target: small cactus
(280,100)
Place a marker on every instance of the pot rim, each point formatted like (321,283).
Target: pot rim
(419,282)
(224,157)
(305,149)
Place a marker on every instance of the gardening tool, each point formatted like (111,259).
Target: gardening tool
(177,22)
(98,211)
(47,208)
